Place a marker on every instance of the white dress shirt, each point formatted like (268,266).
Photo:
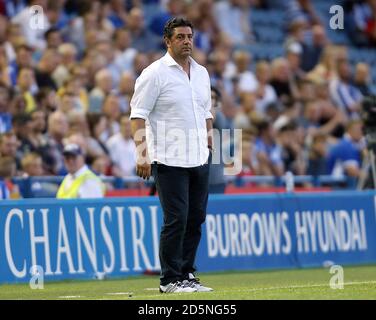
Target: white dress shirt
(91,188)
(175,108)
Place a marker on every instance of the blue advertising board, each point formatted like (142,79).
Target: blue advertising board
(78,239)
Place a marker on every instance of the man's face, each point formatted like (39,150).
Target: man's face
(181,42)
(73,163)
(39,120)
(9,146)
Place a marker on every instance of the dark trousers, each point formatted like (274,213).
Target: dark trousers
(183,193)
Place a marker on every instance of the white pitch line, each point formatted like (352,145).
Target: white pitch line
(118,293)
(70,297)
(282,287)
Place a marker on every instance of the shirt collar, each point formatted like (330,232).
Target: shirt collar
(80,171)
(169,61)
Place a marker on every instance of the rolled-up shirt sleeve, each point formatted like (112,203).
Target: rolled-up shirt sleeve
(145,94)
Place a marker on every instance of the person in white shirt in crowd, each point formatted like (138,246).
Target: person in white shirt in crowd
(246,81)
(265,93)
(170,113)
(122,149)
(103,86)
(343,93)
(80,182)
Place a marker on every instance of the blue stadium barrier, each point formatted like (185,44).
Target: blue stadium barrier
(85,239)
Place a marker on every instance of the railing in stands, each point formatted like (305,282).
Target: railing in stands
(46,186)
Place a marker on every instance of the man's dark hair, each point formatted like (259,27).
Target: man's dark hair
(49,31)
(175,23)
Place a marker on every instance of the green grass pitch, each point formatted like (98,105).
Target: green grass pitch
(359,283)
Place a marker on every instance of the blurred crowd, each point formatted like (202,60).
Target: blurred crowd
(69,78)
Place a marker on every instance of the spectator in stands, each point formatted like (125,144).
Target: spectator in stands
(282,80)
(201,13)
(312,51)
(56,132)
(117,13)
(103,86)
(267,153)
(302,10)
(53,38)
(23,60)
(9,145)
(313,120)
(317,155)
(88,22)
(80,182)
(13,37)
(12,8)
(25,83)
(46,66)
(5,70)
(233,18)
(111,109)
(345,157)
(32,165)
(22,127)
(265,93)
(244,78)
(218,73)
(332,119)
(293,58)
(78,125)
(124,52)
(326,69)
(362,78)
(8,190)
(46,100)
(5,115)
(125,91)
(292,152)
(77,92)
(217,182)
(142,39)
(173,8)
(364,19)
(106,49)
(122,149)
(97,123)
(68,55)
(346,96)
(247,111)
(140,62)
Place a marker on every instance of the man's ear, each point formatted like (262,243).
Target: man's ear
(167,42)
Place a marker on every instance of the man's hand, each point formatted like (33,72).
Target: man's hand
(143,170)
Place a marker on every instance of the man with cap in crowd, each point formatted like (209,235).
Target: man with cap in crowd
(80,182)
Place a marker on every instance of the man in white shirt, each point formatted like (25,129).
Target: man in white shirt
(170,112)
